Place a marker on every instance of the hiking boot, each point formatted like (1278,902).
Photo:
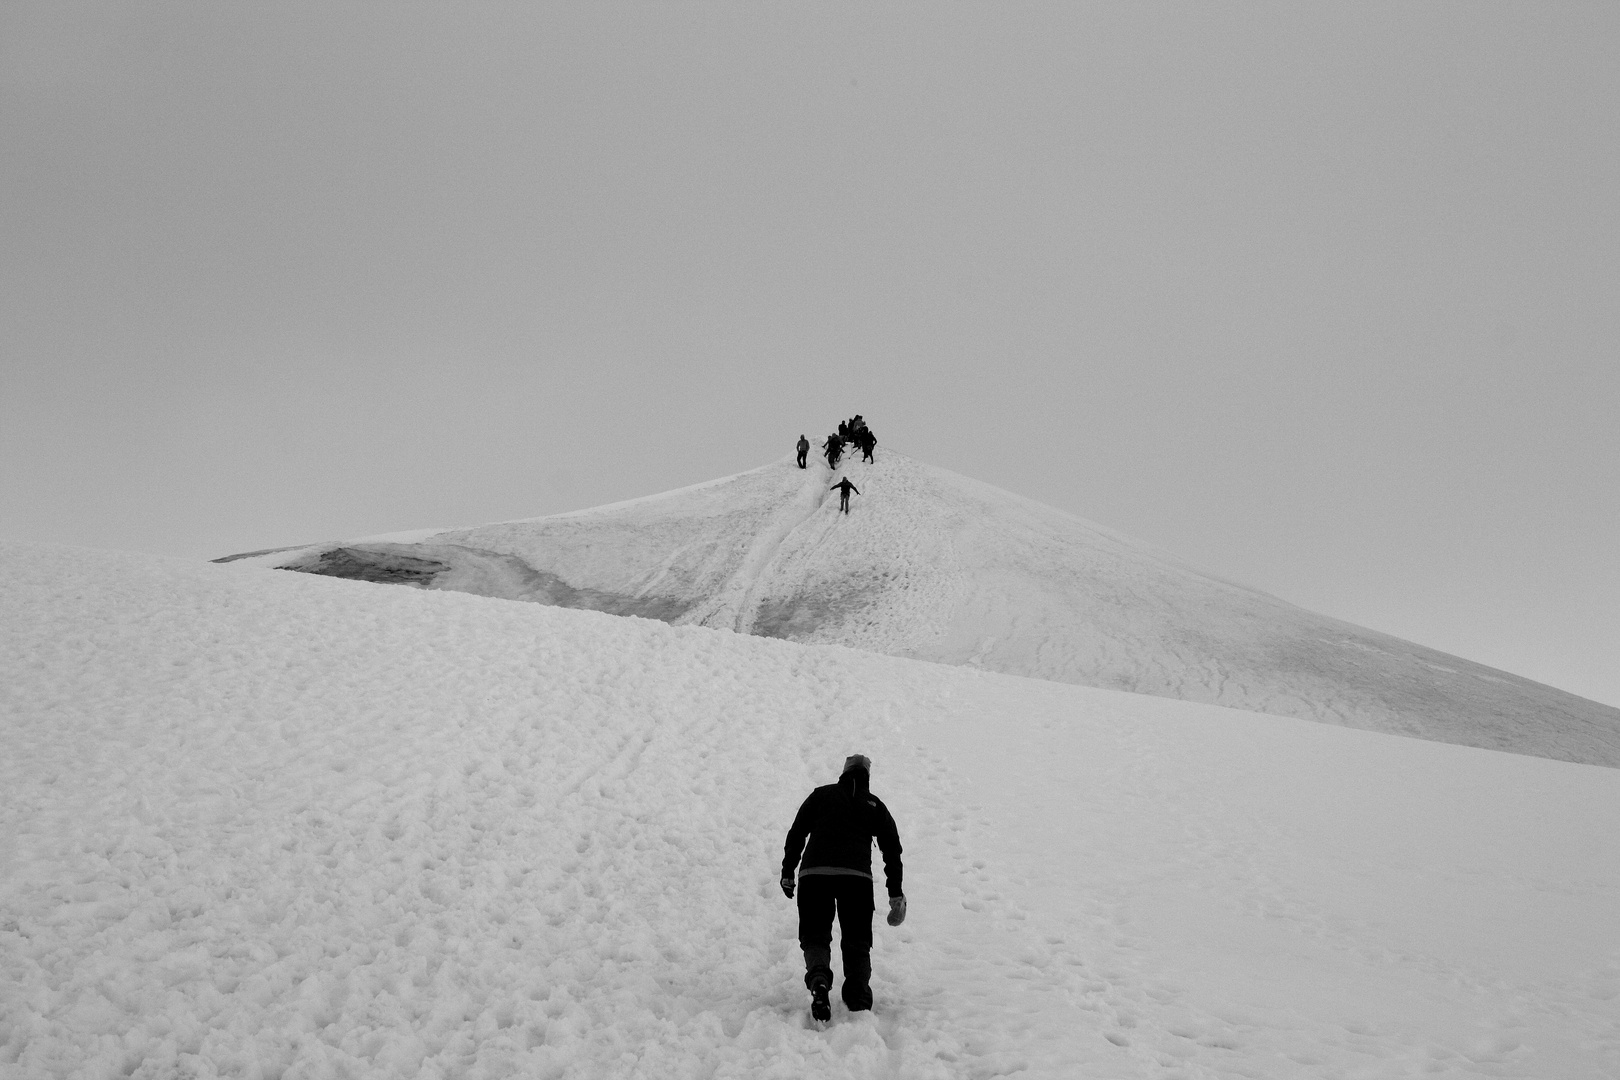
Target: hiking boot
(820,1007)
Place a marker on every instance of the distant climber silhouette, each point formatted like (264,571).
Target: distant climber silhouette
(834,449)
(804,450)
(844,487)
(866,441)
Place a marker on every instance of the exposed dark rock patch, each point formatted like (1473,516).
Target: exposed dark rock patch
(796,618)
(460,568)
(360,564)
(544,587)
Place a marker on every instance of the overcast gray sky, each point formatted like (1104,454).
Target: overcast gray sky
(1323,298)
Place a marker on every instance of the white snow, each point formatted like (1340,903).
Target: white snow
(934,566)
(263,824)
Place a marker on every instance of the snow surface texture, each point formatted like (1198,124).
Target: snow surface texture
(271,825)
(934,566)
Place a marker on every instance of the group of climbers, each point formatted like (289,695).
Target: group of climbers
(853,430)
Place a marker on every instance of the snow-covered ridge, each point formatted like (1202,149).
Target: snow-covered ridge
(935,566)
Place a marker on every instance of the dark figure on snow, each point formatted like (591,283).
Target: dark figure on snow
(804,450)
(843,430)
(841,820)
(867,442)
(834,449)
(844,487)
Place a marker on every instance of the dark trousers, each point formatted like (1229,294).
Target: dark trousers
(820,895)
(843,502)
(802,453)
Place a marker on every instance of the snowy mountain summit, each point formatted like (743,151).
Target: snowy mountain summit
(932,565)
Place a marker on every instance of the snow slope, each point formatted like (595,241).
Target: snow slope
(271,825)
(935,566)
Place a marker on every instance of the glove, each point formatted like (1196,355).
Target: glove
(787,887)
(897,910)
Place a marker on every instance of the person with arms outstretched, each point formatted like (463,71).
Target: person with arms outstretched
(844,487)
(804,450)
(840,821)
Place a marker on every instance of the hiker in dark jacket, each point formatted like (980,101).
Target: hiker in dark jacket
(844,487)
(834,449)
(841,820)
(867,442)
(804,450)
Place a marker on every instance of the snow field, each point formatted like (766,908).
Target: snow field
(1261,897)
(259,824)
(267,825)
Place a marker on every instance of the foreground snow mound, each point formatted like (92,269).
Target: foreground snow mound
(932,565)
(266,825)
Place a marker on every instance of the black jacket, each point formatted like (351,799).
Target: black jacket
(841,821)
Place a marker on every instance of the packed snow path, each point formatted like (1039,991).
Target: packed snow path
(267,825)
(934,566)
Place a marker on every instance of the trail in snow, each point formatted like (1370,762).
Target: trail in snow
(736,603)
(879,578)
(261,825)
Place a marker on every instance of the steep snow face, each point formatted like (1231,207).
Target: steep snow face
(932,565)
(256,824)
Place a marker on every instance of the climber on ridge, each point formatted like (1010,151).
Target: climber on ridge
(804,449)
(834,449)
(844,487)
